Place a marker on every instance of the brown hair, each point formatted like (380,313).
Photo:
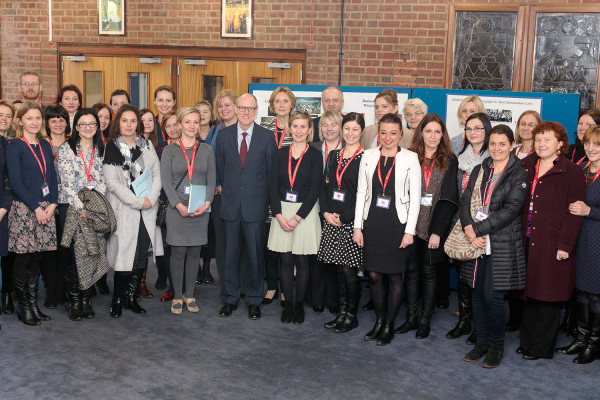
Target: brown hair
(164,88)
(592,134)
(9,105)
(69,88)
(115,127)
(388,95)
(444,150)
(153,137)
(559,133)
(518,130)
(30,105)
(166,118)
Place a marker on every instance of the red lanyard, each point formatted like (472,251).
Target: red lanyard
(465,180)
(387,178)
(488,194)
(378,144)
(222,125)
(279,142)
(36,157)
(595,176)
(161,130)
(327,150)
(427,174)
(293,177)
(53,152)
(88,170)
(573,158)
(339,175)
(190,166)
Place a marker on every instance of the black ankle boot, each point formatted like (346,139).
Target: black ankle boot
(409,325)
(74,297)
(287,314)
(338,319)
(24,312)
(423,329)
(374,333)
(386,334)
(582,315)
(7,303)
(298,313)
(32,297)
(348,324)
(87,311)
(134,285)
(592,347)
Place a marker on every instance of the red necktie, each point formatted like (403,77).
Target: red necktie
(243,149)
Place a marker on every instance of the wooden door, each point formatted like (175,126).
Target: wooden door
(115,73)
(196,82)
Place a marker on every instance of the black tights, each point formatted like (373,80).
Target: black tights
(394,294)
(27,265)
(288,260)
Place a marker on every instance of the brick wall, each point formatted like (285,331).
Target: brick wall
(386,42)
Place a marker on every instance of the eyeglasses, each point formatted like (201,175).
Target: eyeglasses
(32,85)
(530,125)
(91,125)
(416,115)
(585,124)
(476,129)
(246,109)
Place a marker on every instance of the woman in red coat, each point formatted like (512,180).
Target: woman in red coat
(550,236)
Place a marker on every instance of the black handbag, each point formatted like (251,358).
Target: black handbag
(161,215)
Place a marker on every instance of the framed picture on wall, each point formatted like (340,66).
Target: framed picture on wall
(111,17)
(236,19)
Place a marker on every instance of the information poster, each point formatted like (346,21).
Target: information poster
(500,110)
(308,98)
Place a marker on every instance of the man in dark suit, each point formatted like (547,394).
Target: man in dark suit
(243,155)
(332,98)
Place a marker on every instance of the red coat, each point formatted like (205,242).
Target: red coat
(552,228)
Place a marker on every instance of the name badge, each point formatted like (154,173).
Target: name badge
(339,195)
(187,190)
(427,200)
(480,215)
(45,189)
(530,206)
(90,187)
(383,201)
(291,196)
(59,187)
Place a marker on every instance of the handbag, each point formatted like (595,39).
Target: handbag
(161,215)
(457,245)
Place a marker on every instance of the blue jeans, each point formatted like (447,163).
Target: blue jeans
(488,306)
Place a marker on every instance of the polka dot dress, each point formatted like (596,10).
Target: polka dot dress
(337,246)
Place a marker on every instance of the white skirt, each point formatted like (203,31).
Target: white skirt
(304,239)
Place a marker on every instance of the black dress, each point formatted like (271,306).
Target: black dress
(382,231)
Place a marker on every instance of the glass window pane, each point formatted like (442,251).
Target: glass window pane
(138,89)
(93,88)
(212,86)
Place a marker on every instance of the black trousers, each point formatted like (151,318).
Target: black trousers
(539,328)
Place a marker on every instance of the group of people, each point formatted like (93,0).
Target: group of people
(305,206)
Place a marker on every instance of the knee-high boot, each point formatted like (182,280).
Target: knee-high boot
(74,296)
(119,289)
(24,312)
(143,290)
(465,310)
(351,321)
(134,285)
(161,279)
(411,285)
(343,304)
(102,285)
(32,296)
(592,346)
(428,300)
(582,316)
(87,311)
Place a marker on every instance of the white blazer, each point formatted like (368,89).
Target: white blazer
(407,187)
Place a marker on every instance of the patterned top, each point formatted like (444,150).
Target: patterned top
(73,176)
(435,185)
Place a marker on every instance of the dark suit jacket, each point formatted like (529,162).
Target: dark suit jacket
(245,190)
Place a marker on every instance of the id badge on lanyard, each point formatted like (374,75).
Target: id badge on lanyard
(291,196)
(45,190)
(339,195)
(427,200)
(383,201)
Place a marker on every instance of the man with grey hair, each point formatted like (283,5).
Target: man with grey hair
(332,98)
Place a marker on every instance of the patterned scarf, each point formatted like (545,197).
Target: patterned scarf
(467,160)
(129,158)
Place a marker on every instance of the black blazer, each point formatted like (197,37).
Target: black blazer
(245,192)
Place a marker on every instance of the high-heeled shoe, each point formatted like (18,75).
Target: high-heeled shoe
(267,300)
(168,295)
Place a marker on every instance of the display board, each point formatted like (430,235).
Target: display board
(308,98)
(503,107)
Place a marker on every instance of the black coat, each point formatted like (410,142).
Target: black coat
(502,227)
(6,197)
(443,210)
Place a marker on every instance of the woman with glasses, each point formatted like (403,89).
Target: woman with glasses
(467,107)
(587,119)
(414,111)
(80,166)
(475,150)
